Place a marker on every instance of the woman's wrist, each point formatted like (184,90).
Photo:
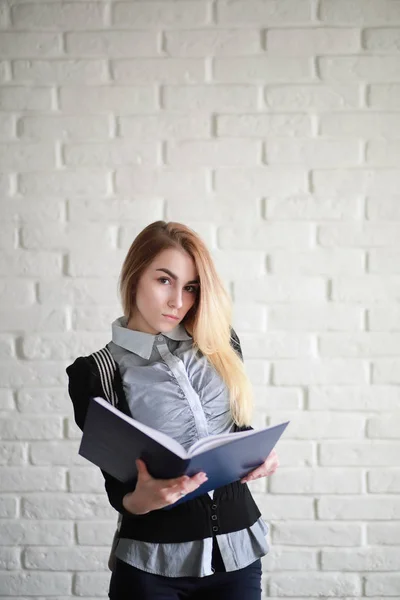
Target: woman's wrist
(131,504)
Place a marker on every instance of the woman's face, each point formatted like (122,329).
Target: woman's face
(169,286)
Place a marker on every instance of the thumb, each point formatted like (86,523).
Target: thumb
(142,469)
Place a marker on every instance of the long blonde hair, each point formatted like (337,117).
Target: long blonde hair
(209,319)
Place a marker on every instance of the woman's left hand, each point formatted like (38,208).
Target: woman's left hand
(268,467)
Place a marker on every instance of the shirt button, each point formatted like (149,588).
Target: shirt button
(160,338)
(214,517)
(214,506)
(215,528)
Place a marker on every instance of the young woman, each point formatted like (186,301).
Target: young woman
(175,363)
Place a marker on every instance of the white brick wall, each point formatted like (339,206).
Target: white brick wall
(273,128)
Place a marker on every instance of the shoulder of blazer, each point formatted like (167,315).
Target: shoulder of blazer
(99,365)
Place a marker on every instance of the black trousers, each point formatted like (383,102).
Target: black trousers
(129,583)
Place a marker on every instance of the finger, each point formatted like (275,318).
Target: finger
(191,484)
(142,469)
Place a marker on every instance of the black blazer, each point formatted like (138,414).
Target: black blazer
(233,504)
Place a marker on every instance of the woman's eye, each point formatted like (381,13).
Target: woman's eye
(192,289)
(163,279)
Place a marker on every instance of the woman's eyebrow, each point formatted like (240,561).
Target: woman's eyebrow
(175,276)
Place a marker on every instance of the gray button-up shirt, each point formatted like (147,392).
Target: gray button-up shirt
(171,387)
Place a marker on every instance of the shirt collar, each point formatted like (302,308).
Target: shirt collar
(142,343)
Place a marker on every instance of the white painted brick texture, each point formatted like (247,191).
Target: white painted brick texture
(272,127)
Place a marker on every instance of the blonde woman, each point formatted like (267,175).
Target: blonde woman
(178,368)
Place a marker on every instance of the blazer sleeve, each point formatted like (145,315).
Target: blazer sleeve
(236,345)
(81,387)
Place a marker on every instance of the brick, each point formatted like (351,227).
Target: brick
(311,533)
(58,16)
(96,318)
(22,532)
(16,583)
(66,559)
(359,508)
(67,506)
(33,318)
(28,210)
(8,507)
(12,454)
(385,371)
(82,479)
(47,346)
(364,453)
(321,261)
(63,127)
(6,400)
(7,350)
(10,559)
(90,291)
(17,479)
(110,154)
(16,293)
(261,180)
(161,70)
(59,453)
(385,153)
(95,263)
(9,238)
(319,584)
(320,425)
(238,265)
(6,127)
(60,71)
(282,345)
(4,183)
(211,153)
(287,559)
(16,374)
(383,96)
(77,182)
(227,99)
(165,126)
(115,209)
(359,12)
(316,481)
(360,559)
(377,585)
(29,45)
(363,344)
(308,42)
(26,157)
(314,318)
(87,584)
(383,534)
(41,401)
(72,430)
(264,12)
(262,69)
(355,181)
(369,289)
(315,153)
(382,40)
(261,126)
(360,68)
(360,125)
(281,289)
(225,209)
(384,261)
(384,482)
(273,398)
(111,44)
(179,14)
(264,236)
(99,99)
(294,453)
(95,534)
(258,371)
(37,264)
(162,181)
(334,371)
(362,398)
(316,97)
(285,507)
(384,319)
(19,98)
(196,43)
(34,428)
(65,236)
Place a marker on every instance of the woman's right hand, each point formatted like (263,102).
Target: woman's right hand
(152,494)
